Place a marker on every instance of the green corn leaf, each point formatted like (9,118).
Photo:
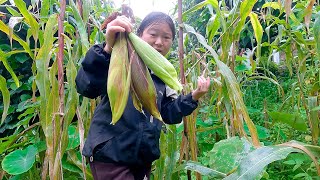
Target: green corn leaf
(43,81)
(44,55)
(292,119)
(30,20)
(232,84)
(258,31)
(4,28)
(45,6)
(315,150)
(316,31)
(274,5)
(171,149)
(200,5)
(20,59)
(212,27)
(200,38)
(13,12)
(203,170)
(5,96)
(4,60)
(317,108)
(294,19)
(289,58)
(312,103)
(3,1)
(236,98)
(245,9)
(194,8)
(214,4)
(253,165)
(160,163)
(81,28)
(263,133)
(312,151)
(70,167)
(86,6)
(73,138)
(280,89)
(72,98)
(50,121)
(299,38)
(6,141)
(72,101)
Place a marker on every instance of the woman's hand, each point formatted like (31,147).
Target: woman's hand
(120,24)
(202,89)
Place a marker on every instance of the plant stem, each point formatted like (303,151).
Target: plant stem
(183,79)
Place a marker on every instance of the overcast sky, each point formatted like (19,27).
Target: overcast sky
(142,7)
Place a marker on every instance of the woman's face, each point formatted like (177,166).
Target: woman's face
(159,36)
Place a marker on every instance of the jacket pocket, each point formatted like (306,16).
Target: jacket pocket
(121,149)
(149,148)
(103,146)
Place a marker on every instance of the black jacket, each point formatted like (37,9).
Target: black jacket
(134,139)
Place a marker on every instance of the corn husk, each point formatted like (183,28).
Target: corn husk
(119,77)
(142,84)
(161,67)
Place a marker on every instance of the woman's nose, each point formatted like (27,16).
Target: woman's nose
(159,41)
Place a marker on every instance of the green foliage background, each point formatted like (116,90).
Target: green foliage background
(260,119)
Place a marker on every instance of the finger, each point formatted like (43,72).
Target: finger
(208,81)
(112,30)
(125,19)
(199,83)
(202,81)
(122,23)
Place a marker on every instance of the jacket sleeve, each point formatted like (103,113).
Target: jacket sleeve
(91,80)
(173,109)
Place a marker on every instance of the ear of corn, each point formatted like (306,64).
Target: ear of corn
(142,84)
(135,100)
(119,77)
(156,62)
(135,77)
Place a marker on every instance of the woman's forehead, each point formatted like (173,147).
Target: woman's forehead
(160,26)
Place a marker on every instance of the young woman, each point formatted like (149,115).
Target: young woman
(127,149)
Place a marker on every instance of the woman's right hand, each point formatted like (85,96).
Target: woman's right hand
(120,24)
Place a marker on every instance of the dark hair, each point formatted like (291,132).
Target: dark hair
(156,17)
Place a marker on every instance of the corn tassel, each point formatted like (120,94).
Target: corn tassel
(156,62)
(142,84)
(119,77)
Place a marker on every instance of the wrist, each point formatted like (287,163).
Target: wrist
(195,95)
(107,49)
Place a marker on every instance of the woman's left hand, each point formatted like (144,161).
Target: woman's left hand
(202,89)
